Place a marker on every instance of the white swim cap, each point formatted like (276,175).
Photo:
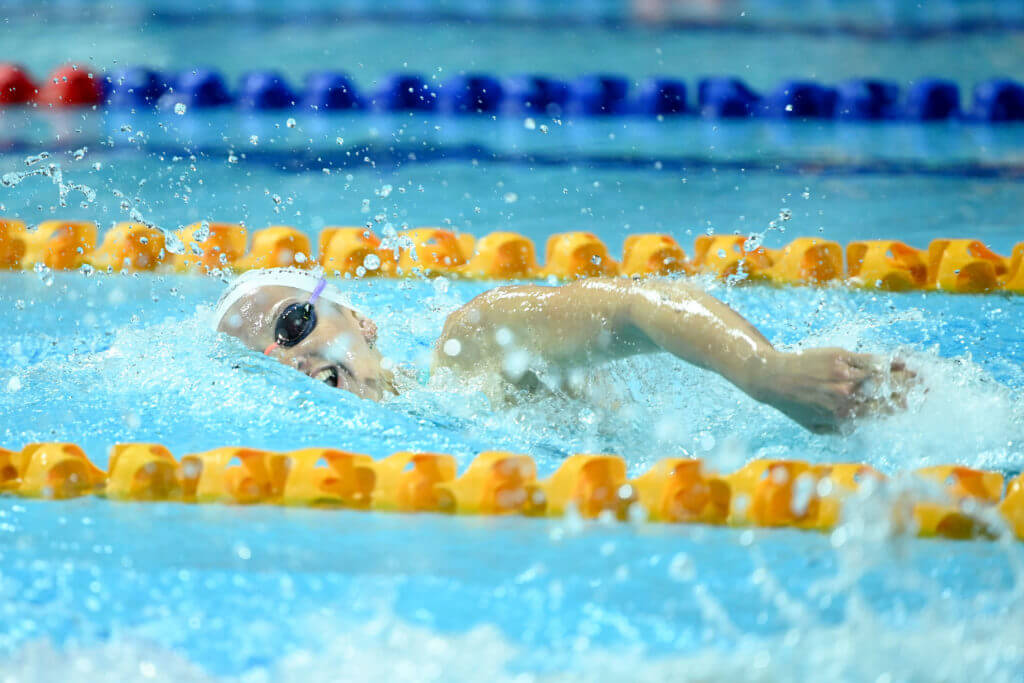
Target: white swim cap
(250,281)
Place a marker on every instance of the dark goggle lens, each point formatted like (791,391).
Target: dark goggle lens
(295,324)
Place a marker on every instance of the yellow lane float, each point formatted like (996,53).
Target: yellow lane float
(963,485)
(573,255)
(731,256)
(355,252)
(495,483)
(949,265)
(502,256)
(886,264)
(322,476)
(132,247)
(407,482)
(12,244)
(55,471)
(211,246)
(807,260)
(60,245)
(653,255)
(433,251)
(277,247)
(142,471)
(227,475)
(594,484)
(964,266)
(763,493)
(679,490)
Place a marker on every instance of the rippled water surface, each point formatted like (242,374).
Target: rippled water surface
(96,590)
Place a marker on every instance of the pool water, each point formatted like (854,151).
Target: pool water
(95,590)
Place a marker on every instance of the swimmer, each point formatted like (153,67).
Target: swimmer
(555,331)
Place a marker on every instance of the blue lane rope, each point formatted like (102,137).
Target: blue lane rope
(593,95)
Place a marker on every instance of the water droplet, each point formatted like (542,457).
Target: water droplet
(452,347)
(44,273)
(254,139)
(371,262)
(202,233)
(290,123)
(180,109)
(529,124)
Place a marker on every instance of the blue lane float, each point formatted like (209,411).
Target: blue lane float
(867,100)
(800,100)
(406,92)
(932,99)
(473,94)
(536,94)
(599,95)
(590,95)
(725,98)
(134,87)
(199,89)
(331,91)
(265,90)
(999,100)
(661,97)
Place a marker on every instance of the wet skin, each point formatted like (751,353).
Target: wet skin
(560,330)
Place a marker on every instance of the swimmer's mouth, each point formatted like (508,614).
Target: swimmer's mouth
(328,376)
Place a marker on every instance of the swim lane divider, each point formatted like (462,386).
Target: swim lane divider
(949,265)
(589,95)
(764,493)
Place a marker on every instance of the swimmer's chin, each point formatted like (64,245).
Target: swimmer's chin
(337,377)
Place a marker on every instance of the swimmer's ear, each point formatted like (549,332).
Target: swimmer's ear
(369,330)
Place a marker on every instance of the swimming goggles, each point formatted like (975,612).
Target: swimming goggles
(296,321)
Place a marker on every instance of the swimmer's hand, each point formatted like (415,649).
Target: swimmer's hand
(823,389)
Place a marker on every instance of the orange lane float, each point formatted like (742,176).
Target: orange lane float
(775,493)
(679,490)
(573,255)
(1014,281)
(12,243)
(277,247)
(963,265)
(502,255)
(59,245)
(959,265)
(433,251)
(807,260)
(1012,506)
(322,476)
(354,252)
(54,471)
(210,246)
(132,247)
(227,475)
(592,483)
(731,256)
(763,493)
(886,264)
(495,483)
(963,485)
(406,481)
(653,255)
(142,471)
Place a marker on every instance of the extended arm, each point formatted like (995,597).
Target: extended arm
(601,319)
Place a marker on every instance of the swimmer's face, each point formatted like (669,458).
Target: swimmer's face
(340,351)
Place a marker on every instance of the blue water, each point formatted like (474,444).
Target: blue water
(93,590)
